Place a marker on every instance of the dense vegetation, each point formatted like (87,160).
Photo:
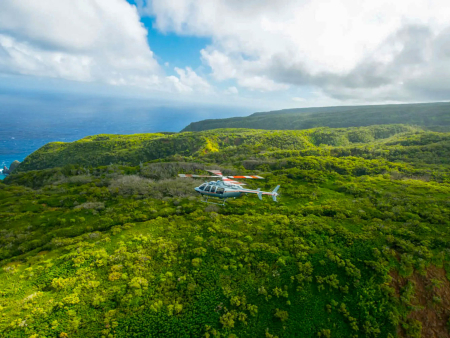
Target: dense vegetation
(242,144)
(100,241)
(433,116)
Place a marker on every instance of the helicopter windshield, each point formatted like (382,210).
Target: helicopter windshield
(202,186)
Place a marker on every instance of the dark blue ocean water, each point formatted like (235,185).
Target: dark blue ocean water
(30,120)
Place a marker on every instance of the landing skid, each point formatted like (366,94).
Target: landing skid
(215,200)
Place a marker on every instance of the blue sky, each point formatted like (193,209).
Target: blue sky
(178,51)
(261,55)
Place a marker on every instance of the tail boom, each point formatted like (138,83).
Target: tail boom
(259,193)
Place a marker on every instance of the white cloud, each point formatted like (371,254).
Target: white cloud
(261,83)
(225,68)
(298,99)
(222,66)
(84,40)
(348,48)
(188,81)
(231,91)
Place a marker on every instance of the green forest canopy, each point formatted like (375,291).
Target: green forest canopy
(99,238)
(433,116)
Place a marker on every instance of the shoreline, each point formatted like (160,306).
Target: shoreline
(8,169)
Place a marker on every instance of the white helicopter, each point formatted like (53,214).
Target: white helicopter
(227,187)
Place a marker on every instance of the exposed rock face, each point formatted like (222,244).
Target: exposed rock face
(12,167)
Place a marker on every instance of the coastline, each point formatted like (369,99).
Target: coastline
(8,163)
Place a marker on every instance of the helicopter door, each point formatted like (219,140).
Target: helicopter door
(208,188)
(213,189)
(220,191)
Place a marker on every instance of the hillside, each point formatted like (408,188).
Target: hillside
(393,142)
(99,238)
(434,116)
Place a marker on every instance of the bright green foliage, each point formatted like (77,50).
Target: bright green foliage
(220,145)
(130,251)
(281,315)
(326,333)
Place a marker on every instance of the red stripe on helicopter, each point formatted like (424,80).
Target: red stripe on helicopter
(257,177)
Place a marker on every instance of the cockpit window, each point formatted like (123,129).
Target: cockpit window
(202,186)
(208,188)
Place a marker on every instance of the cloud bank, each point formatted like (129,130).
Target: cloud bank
(76,40)
(329,51)
(348,49)
(83,40)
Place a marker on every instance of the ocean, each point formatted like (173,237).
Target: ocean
(30,120)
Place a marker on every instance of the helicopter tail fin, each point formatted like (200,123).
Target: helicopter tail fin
(275,194)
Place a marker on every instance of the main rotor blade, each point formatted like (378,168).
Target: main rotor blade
(216,172)
(190,175)
(230,181)
(252,176)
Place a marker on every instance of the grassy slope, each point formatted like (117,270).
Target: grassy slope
(433,115)
(134,149)
(128,251)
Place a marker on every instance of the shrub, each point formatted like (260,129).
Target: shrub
(212,208)
(282,315)
(159,171)
(130,185)
(80,179)
(174,187)
(91,205)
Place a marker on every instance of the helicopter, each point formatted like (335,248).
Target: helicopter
(226,187)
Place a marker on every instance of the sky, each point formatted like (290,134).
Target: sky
(259,54)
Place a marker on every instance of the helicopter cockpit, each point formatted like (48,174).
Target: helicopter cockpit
(212,187)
